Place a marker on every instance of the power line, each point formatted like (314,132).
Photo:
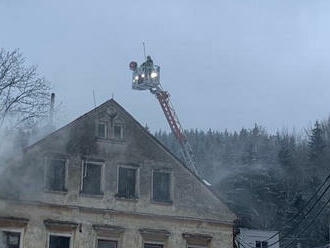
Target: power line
(310,224)
(302,210)
(240,242)
(303,217)
(292,230)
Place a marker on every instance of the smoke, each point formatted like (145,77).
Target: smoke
(2,240)
(7,148)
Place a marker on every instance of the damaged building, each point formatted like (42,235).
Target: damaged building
(104,181)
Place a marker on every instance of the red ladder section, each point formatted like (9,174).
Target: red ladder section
(172,119)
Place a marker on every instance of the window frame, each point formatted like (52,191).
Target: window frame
(106,129)
(15,230)
(60,234)
(196,246)
(154,243)
(107,239)
(47,160)
(122,131)
(261,244)
(102,180)
(137,182)
(171,186)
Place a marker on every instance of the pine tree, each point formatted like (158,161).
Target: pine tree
(316,144)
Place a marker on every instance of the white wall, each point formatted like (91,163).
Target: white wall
(250,236)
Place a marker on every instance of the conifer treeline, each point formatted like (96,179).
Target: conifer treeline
(264,178)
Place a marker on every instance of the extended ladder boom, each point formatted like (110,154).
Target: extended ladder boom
(147,77)
(175,125)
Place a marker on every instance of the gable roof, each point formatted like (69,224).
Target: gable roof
(111,101)
(152,137)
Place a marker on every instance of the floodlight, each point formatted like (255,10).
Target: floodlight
(153,74)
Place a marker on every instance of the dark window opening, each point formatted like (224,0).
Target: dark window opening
(261,244)
(92,178)
(153,246)
(118,131)
(56,175)
(59,242)
(106,244)
(127,182)
(161,186)
(101,130)
(11,239)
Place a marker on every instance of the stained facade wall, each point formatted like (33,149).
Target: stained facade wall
(193,209)
(35,233)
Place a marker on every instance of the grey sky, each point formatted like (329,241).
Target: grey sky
(227,64)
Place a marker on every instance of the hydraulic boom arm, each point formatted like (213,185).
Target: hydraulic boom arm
(175,125)
(147,77)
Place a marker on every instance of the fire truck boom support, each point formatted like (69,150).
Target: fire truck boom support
(175,125)
(147,77)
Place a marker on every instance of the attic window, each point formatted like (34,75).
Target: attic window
(91,178)
(11,239)
(56,174)
(127,182)
(118,131)
(102,130)
(161,187)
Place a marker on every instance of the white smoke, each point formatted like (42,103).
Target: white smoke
(6,149)
(2,240)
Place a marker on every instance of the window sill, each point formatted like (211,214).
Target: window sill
(165,203)
(59,192)
(99,196)
(111,140)
(122,198)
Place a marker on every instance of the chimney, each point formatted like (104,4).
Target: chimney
(51,110)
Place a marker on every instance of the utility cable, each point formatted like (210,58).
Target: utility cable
(298,214)
(310,224)
(302,209)
(240,242)
(303,217)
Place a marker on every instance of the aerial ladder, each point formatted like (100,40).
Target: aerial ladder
(147,77)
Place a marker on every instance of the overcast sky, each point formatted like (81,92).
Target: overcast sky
(226,63)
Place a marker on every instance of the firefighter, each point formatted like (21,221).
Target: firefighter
(148,66)
(149,62)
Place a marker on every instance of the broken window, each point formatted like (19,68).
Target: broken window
(127,182)
(59,241)
(161,186)
(146,245)
(106,244)
(55,178)
(118,131)
(102,130)
(261,244)
(91,178)
(10,240)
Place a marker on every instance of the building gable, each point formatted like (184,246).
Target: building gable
(136,172)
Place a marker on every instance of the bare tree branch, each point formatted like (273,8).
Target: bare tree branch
(24,94)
